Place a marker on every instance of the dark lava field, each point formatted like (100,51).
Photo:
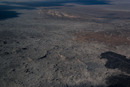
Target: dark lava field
(64,43)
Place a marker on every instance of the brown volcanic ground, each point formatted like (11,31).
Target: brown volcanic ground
(107,37)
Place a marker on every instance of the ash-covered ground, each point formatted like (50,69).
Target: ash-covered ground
(64,43)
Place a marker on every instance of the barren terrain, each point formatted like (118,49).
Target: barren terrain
(57,43)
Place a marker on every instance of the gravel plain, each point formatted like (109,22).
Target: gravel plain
(48,43)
